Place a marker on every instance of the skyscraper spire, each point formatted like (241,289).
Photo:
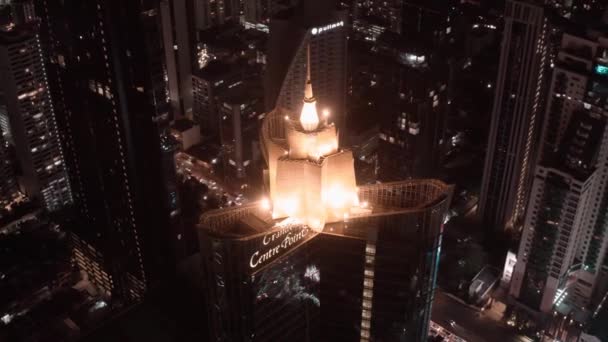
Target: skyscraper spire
(308,95)
(309,117)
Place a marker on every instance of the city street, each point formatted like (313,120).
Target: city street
(201,171)
(462,320)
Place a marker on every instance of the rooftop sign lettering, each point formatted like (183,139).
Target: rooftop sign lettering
(277,243)
(321,29)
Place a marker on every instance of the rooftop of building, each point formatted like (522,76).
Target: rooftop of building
(222,35)
(232,37)
(438,6)
(371,20)
(310,13)
(11,34)
(214,70)
(182,125)
(217,70)
(485,279)
(243,93)
(377,200)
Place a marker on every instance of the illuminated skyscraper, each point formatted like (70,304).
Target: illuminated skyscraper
(322,259)
(314,23)
(561,264)
(518,104)
(26,104)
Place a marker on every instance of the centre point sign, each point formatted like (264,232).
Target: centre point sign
(277,243)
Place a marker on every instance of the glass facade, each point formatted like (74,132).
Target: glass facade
(286,303)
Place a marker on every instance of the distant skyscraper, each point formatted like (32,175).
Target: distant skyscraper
(260,11)
(322,259)
(411,140)
(8,184)
(385,14)
(209,13)
(28,110)
(105,62)
(426,19)
(417,20)
(518,104)
(210,82)
(561,262)
(176,30)
(316,23)
(240,109)
(587,12)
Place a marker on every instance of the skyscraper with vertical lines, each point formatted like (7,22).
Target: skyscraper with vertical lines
(106,69)
(518,106)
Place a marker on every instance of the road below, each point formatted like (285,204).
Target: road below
(469,323)
(201,171)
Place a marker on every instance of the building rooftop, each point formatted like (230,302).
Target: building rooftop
(182,125)
(254,220)
(17,34)
(247,92)
(214,70)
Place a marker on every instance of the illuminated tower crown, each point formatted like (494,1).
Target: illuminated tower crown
(309,119)
(309,178)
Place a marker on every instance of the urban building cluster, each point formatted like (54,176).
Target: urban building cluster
(304,170)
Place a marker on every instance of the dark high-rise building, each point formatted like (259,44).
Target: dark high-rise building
(261,284)
(30,118)
(518,105)
(587,12)
(418,20)
(385,14)
(177,40)
(209,13)
(8,184)
(411,139)
(316,23)
(392,261)
(368,277)
(208,83)
(240,109)
(106,72)
(260,11)
(427,20)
